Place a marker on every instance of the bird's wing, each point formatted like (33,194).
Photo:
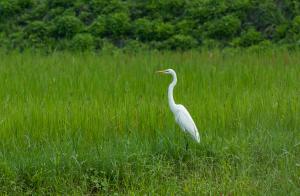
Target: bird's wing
(185,121)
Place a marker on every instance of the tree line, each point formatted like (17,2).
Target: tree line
(158,24)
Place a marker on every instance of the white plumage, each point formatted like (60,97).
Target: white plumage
(182,116)
(185,121)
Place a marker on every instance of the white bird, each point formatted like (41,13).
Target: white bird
(182,116)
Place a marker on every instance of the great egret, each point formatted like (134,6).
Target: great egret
(182,116)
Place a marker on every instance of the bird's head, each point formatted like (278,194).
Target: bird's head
(166,71)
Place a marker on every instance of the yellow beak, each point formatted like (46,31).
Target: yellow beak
(162,71)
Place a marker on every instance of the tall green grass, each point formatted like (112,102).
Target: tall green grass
(87,123)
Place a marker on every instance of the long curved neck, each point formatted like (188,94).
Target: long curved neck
(170,92)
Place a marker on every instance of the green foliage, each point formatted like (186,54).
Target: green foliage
(296,25)
(26,4)
(134,46)
(67,26)
(281,31)
(98,27)
(295,31)
(223,28)
(117,25)
(206,10)
(82,42)
(183,42)
(143,29)
(155,23)
(37,32)
(162,30)
(8,9)
(211,44)
(185,27)
(249,38)
(60,3)
(113,26)
(264,14)
(16,40)
(171,8)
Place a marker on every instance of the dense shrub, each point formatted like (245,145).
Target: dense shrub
(296,25)
(211,44)
(182,42)
(67,26)
(166,24)
(281,31)
(250,37)
(171,8)
(2,39)
(98,26)
(263,14)
(134,46)
(185,27)
(113,26)
(36,33)
(223,28)
(143,29)
(37,28)
(82,41)
(117,25)
(60,3)
(25,4)
(295,30)
(162,30)
(8,9)
(206,10)
(16,40)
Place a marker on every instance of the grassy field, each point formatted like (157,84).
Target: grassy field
(100,124)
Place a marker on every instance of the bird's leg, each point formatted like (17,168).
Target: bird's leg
(186,143)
